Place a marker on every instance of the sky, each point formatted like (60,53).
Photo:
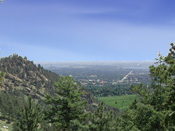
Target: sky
(87,30)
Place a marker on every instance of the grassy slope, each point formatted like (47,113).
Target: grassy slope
(3,123)
(120,102)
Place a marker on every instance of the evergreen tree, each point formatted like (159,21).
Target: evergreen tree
(101,119)
(156,109)
(67,109)
(29,117)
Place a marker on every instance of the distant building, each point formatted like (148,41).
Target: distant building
(102,82)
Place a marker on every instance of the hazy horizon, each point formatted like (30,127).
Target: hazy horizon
(97,64)
(92,61)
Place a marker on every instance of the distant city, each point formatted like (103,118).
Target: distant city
(103,76)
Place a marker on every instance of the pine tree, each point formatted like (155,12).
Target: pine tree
(67,109)
(101,119)
(156,108)
(29,117)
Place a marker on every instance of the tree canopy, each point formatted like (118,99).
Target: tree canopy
(156,109)
(66,110)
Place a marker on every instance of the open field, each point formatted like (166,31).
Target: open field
(120,102)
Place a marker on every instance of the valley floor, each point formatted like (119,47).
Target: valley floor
(120,102)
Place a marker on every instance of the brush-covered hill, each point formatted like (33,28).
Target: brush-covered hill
(25,76)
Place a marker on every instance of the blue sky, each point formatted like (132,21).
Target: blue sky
(87,30)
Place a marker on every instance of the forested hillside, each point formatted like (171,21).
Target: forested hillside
(24,75)
(22,78)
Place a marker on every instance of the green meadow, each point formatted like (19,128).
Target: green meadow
(120,102)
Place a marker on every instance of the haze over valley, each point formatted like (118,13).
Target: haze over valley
(113,76)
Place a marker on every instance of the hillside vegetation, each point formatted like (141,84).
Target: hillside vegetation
(24,75)
(64,108)
(20,79)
